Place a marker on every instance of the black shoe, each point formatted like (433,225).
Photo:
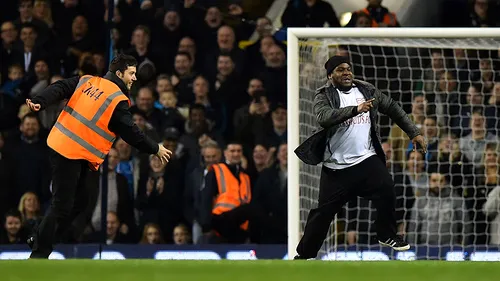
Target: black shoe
(397,243)
(298,257)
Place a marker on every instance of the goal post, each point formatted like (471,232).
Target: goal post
(392,37)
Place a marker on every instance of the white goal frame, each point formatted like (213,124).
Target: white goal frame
(293,35)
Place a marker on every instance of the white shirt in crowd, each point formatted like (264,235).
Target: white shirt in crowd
(352,142)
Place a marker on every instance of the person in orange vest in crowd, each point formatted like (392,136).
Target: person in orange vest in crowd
(96,113)
(225,201)
(380,16)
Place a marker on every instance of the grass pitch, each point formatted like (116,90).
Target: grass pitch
(263,270)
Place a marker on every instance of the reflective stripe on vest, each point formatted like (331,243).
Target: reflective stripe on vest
(222,179)
(91,124)
(223,189)
(227,198)
(79,140)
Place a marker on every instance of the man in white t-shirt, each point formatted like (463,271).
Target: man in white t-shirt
(350,149)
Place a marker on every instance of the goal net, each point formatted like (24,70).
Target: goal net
(448,81)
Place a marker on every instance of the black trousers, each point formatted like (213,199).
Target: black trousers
(228,224)
(73,185)
(368,179)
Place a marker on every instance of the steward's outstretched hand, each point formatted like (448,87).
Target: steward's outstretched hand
(163,154)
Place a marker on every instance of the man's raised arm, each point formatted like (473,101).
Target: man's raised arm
(56,92)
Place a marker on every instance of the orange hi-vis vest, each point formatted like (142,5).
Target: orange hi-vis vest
(389,18)
(232,193)
(81,130)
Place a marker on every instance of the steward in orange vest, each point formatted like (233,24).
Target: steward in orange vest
(379,15)
(233,192)
(225,199)
(96,112)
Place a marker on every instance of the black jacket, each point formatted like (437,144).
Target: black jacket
(330,116)
(121,122)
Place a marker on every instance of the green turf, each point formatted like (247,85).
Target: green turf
(152,270)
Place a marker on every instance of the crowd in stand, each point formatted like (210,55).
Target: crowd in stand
(209,101)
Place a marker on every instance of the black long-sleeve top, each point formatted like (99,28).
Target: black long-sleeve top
(121,122)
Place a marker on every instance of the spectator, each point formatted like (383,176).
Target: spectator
(129,166)
(181,235)
(141,48)
(211,154)
(463,63)
(81,41)
(433,72)
(476,196)
(163,84)
(12,86)
(439,217)
(188,45)
(271,193)
(453,163)
(274,74)
(152,235)
(29,51)
(13,232)
(42,11)
(198,132)
(226,44)
(145,102)
(116,233)
(174,115)
(415,170)
(160,193)
(216,111)
(183,77)
(474,143)
(9,53)
(379,15)
(482,15)
(397,138)
(118,197)
(486,74)
(30,209)
(41,79)
(208,22)
(29,154)
(309,13)
(446,99)
(262,158)
(26,16)
(275,133)
(249,119)
(475,102)
(431,133)
(230,222)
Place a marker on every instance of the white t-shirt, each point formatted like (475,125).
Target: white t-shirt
(352,142)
